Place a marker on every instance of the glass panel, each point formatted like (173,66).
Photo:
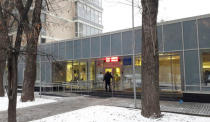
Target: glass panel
(169,72)
(99,75)
(92,30)
(95,47)
(160,41)
(76,29)
(48,72)
(116,44)
(43,72)
(127,42)
(79,9)
(80,29)
(138,36)
(100,18)
(59,71)
(75,71)
(191,68)
(92,15)
(88,13)
(83,71)
(105,45)
(127,73)
(69,50)
(77,49)
(138,71)
(62,50)
(48,53)
(84,33)
(190,34)
(172,37)
(69,69)
(43,51)
(203,31)
(86,48)
(92,71)
(55,50)
(88,30)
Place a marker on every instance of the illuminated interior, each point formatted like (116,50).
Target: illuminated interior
(206,61)
(92,71)
(83,71)
(122,71)
(206,67)
(138,61)
(108,70)
(169,71)
(69,69)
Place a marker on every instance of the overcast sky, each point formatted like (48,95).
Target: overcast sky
(117,13)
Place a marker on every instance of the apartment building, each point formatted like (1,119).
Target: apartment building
(67,19)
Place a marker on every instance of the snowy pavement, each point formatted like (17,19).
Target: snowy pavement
(74,103)
(38,101)
(117,114)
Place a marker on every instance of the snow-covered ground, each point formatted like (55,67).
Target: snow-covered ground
(38,101)
(117,114)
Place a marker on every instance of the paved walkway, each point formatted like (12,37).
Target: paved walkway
(77,102)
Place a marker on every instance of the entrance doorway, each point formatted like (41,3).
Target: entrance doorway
(116,82)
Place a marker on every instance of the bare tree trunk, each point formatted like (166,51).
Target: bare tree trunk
(3,47)
(2,69)
(13,50)
(150,60)
(12,86)
(32,35)
(4,40)
(2,58)
(29,74)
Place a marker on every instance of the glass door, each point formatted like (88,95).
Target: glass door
(117,83)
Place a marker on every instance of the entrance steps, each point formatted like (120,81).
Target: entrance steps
(172,96)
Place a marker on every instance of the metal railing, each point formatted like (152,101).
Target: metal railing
(70,87)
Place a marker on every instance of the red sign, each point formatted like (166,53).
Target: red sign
(111,59)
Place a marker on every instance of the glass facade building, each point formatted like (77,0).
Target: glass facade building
(184,58)
(88,17)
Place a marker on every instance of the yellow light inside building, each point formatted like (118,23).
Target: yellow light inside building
(69,72)
(138,61)
(206,65)
(118,71)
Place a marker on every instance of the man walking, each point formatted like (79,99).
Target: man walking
(107,79)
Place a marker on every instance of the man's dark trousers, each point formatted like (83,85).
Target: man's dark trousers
(108,84)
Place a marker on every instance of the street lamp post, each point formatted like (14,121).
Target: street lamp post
(133,34)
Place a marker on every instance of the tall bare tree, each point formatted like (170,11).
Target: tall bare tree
(150,60)
(4,41)
(5,5)
(13,48)
(32,35)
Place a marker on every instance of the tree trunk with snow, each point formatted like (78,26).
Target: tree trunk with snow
(32,35)
(150,60)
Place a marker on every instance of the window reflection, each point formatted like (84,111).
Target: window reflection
(59,72)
